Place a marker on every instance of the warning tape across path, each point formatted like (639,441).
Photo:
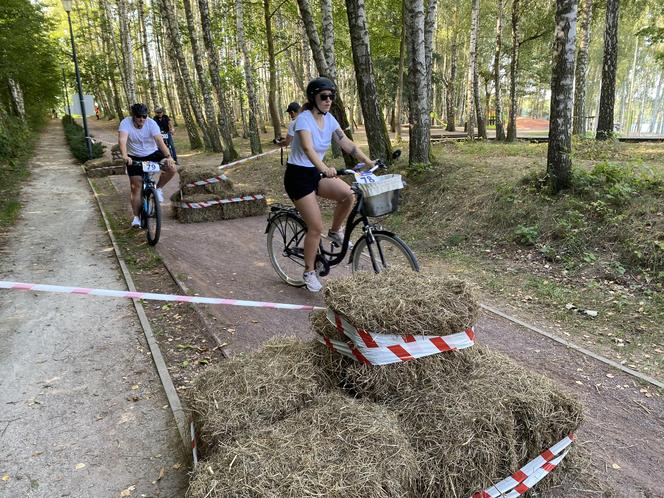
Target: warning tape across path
(83,291)
(214,179)
(224,166)
(530,474)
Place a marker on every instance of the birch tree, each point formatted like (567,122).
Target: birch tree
(203,83)
(500,131)
(559,162)
(581,71)
(609,67)
(272,81)
(472,91)
(127,52)
(254,135)
(230,154)
(514,67)
(420,119)
(374,123)
(148,58)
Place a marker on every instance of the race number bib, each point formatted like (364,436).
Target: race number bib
(366,178)
(150,167)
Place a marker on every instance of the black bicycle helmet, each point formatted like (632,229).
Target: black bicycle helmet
(139,110)
(293,107)
(317,85)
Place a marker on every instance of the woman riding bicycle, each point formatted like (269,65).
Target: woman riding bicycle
(314,130)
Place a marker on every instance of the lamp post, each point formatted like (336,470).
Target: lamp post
(67,6)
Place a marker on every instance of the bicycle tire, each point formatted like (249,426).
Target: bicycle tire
(389,251)
(285,247)
(152,216)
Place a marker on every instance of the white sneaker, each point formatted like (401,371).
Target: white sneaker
(136,222)
(160,195)
(311,281)
(338,238)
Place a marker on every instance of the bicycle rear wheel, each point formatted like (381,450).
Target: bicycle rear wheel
(388,251)
(152,216)
(285,247)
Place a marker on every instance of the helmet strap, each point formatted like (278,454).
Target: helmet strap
(318,108)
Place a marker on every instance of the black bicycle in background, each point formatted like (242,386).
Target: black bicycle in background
(150,214)
(375,250)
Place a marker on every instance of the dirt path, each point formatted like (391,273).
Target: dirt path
(82,411)
(624,427)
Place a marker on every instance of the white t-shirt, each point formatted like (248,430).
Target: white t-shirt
(140,141)
(291,128)
(321,138)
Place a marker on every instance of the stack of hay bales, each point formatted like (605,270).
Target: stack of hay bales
(212,192)
(96,168)
(297,419)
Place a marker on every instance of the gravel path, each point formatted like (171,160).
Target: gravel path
(82,411)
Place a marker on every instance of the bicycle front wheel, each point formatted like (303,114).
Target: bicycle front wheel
(387,251)
(152,216)
(285,247)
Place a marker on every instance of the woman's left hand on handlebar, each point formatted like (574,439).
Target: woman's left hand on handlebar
(329,172)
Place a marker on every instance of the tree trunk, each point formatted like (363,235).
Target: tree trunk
(581,71)
(421,125)
(429,29)
(272,91)
(609,68)
(230,153)
(627,116)
(500,131)
(479,114)
(471,95)
(211,130)
(514,68)
(16,94)
(377,136)
(559,161)
(657,104)
(148,58)
(254,135)
(127,53)
(338,110)
(402,51)
(106,30)
(450,97)
(328,38)
(175,38)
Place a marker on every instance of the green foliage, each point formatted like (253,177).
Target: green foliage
(76,140)
(16,142)
(526,235)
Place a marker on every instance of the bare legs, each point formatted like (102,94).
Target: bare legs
(330,188)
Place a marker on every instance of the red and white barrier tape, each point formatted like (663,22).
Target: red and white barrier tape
(383,349)
(214,179)
(84,291)
(530,474)
(231,200)
(224,166)
(194,450)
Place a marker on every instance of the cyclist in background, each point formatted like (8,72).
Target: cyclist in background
(293,109)
(139,139)
(166,126)
(314,130)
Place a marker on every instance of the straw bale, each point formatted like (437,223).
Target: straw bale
(336,447)
(190,174)
(403,303)
(217,212)
(258,388)
(473,416)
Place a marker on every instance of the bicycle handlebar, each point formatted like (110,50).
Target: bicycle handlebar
(342,172)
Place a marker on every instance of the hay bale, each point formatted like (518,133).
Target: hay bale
(251,390)
(217,212)
(336,447)
(402,303)
(190,174)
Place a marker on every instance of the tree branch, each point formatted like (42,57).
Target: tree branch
(535,37)
(285,48)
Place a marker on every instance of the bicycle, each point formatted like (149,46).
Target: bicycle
(375,250)
(150,214)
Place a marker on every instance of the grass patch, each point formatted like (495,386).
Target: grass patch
(16,145)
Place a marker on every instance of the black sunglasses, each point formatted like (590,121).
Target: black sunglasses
(144,116)
(326,96)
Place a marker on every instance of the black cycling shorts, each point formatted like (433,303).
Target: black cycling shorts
(300,181)
(135,170)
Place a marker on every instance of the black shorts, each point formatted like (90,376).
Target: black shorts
(300,181)
(135,170)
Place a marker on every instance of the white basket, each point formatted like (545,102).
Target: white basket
(382,196)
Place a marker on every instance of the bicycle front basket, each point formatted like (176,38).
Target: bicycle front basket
(382,196)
